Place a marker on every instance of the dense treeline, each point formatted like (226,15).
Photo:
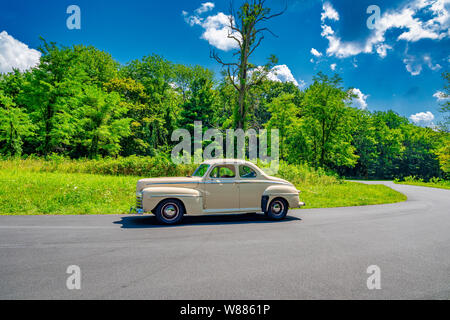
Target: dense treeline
(80,103)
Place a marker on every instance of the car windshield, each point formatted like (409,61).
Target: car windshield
(201,170)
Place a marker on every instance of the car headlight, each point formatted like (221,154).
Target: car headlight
(139,194)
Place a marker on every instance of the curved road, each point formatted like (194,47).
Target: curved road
(313,254)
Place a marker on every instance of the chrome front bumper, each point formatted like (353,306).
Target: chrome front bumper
(139,209)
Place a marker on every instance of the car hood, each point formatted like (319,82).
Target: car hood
(183,182)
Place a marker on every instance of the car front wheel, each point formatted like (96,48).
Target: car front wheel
(278,209)
(169,211)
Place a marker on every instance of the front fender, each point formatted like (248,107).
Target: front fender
(289,193)
(191,198)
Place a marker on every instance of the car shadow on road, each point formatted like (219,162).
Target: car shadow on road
(146,221)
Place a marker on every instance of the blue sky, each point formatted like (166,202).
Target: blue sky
(396,65)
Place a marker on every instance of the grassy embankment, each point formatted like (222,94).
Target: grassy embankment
(36,186)
(433,182)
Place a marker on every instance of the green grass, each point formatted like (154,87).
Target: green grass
(26,192)
(442,184)
(346,194)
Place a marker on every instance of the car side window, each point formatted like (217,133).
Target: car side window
(246,172)
(223,172)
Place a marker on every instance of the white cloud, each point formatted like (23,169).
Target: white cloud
(404,19)
(439,95)
(16,54)
(329,12)
(205,7)
(342,49)
(217,30)
(360,100)
(429,63)
(382,49)
(333,66)
(326,31)
(282,73)
(216,27)
(412,66)
(315,53)
(422,118)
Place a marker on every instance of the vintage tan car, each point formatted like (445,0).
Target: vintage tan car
(219,186)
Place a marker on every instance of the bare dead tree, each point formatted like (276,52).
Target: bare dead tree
(246,28)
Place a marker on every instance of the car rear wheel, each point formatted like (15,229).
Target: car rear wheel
(169,211)
(278,209)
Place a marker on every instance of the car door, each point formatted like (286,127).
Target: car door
(251,188)
(221,190)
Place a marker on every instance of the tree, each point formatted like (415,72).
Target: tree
(53,90)
(134,99)
(161,107)
(101,124)
(198,107)
(418,157)
(261,96)
(389,137)
(365,143)
(283,115)
(14,126)
(245,28)
(327,123)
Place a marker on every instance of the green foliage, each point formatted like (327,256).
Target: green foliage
(283,117)
(434,182)
(160,108)
(198,101)
(157,166)
(80,103)
(15,125)
(326,121)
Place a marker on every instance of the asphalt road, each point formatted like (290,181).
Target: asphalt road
(313,254)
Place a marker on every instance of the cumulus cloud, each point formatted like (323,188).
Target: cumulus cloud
(216,28)
(16,54)
(439,95)
(315,53)
(422,118)
(414,65)
(329,12)
(429,63)
(360,100)
(282,73)
(333,66)
(205,7)
(406,19)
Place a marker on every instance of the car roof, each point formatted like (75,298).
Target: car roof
(227,161)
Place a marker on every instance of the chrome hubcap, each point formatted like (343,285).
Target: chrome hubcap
(170,211)
(277,207)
